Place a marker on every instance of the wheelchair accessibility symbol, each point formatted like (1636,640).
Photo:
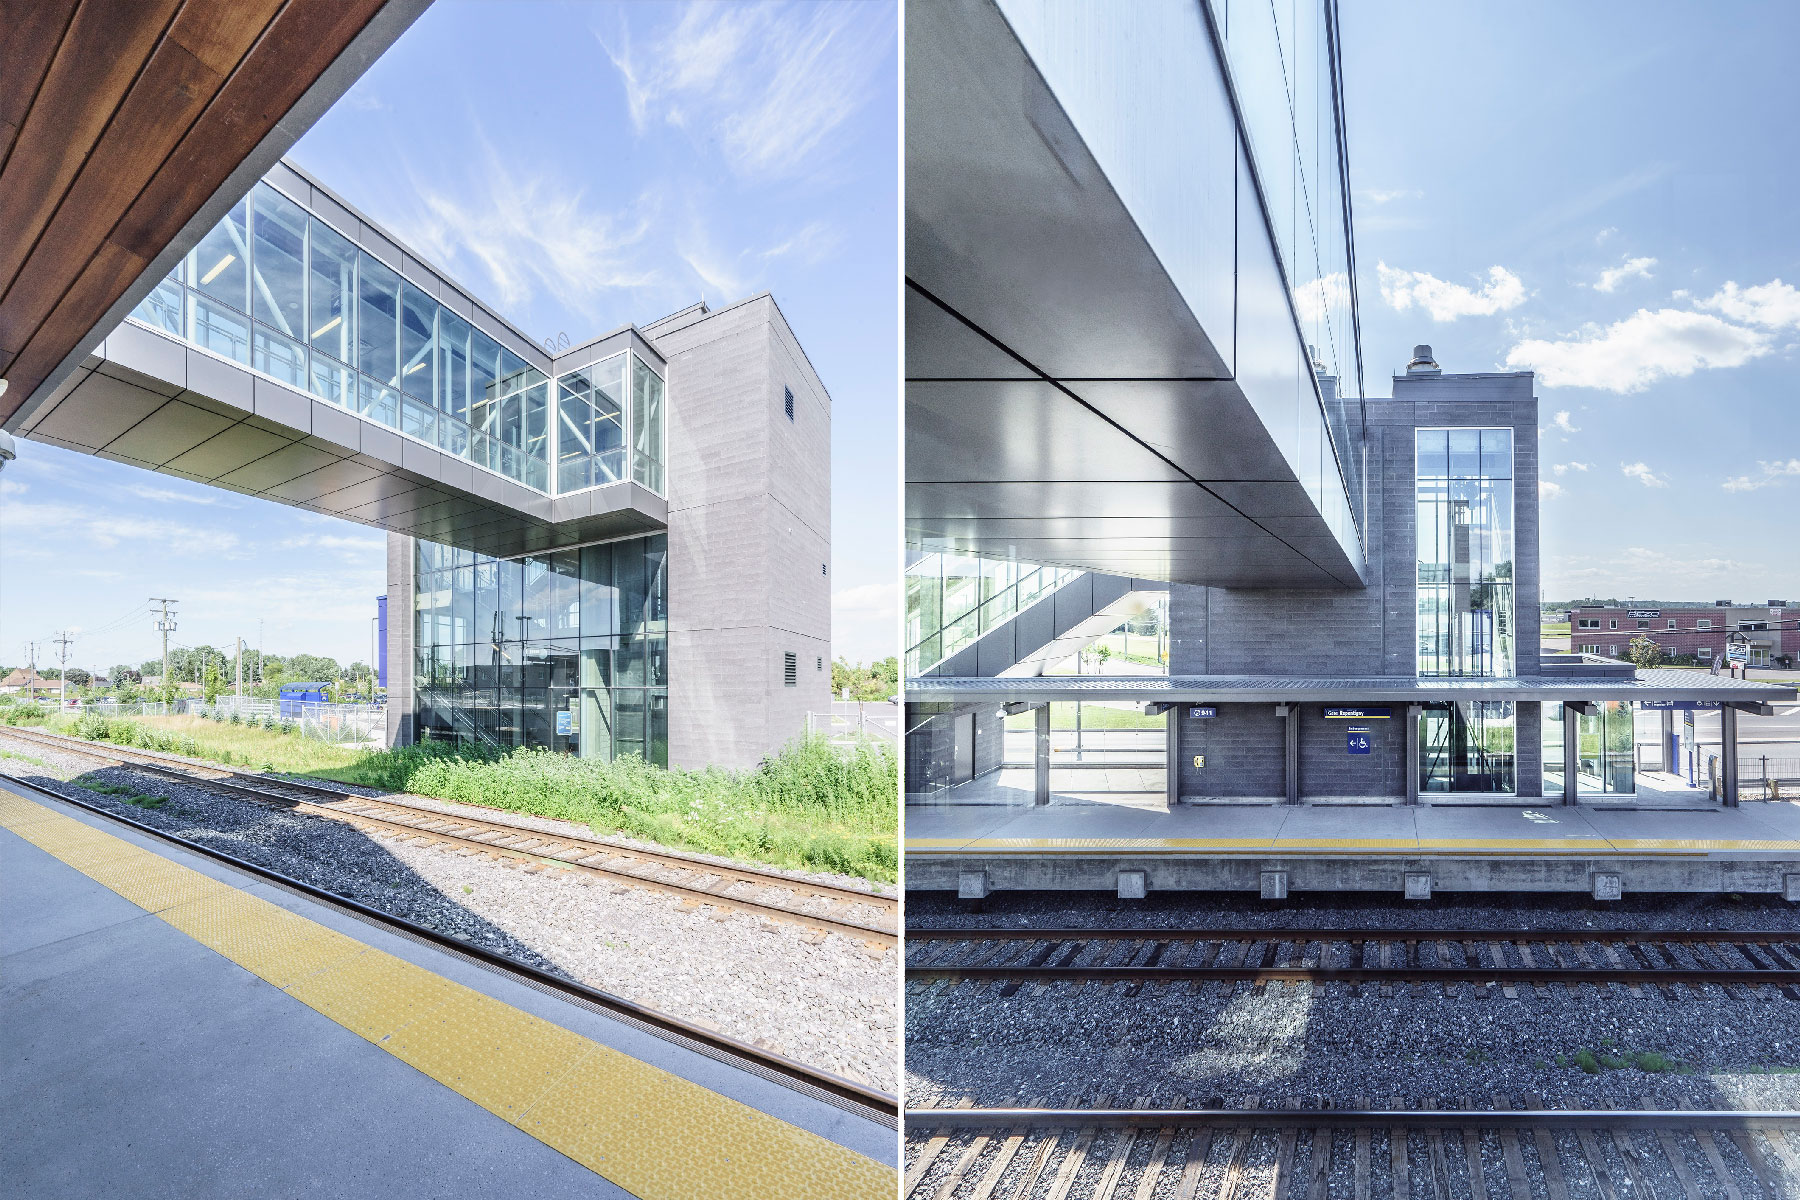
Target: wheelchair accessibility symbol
(1359,742)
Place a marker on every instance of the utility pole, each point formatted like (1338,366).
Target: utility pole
(62,641)
(166,623)
(240,672)
(31,673)
(259,650)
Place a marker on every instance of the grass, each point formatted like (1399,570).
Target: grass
(1650,1062)
(25,758)
(808,807)
(215,741)
(129,795)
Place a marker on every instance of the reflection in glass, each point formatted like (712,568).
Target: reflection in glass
(1467,746)
(220,264)
(331,286)
(1464,523)
(279,281)
(527,652)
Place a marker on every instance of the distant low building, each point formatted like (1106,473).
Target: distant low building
(21,680)
(1689,631)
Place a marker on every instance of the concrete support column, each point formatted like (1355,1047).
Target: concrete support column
(1728,750)
(1413,712)
(1571,717)
(1668,756)
(1291,770)
(1041,762)
(1172,739)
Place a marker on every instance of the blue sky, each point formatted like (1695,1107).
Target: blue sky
(1602,193)
(578,166)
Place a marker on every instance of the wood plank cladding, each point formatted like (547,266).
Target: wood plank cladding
(119,120)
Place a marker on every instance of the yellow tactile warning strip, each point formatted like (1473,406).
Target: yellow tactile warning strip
(654,1134)
(1660,847)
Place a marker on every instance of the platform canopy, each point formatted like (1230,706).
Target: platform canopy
(1651,685)
(127,130)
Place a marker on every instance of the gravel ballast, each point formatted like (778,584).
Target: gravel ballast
(822,999)
(1734,1047)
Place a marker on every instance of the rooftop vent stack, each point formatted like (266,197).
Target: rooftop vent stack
(1422,363)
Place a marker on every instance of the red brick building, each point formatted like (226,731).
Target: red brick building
(1689,631)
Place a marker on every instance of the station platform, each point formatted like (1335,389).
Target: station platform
(1271,849)
(174,1027)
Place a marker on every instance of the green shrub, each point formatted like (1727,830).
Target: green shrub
(1653,1062)
(808,806)
(1586,1061)
(236,717)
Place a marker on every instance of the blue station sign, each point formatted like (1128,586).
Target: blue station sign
(1678,705)
(1201,711)
(1378,713)
(1358,741)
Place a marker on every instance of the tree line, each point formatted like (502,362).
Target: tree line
(215,670)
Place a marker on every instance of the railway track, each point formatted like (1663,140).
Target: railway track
(865,916)
(1493,1150)
(1138,957)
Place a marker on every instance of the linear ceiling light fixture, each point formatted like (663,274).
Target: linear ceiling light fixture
(217,267)
(328,326)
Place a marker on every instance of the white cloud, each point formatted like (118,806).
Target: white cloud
(55,526)
(1315,299)
(146,492)
(528,230)
(1641,570)
(1643,474)
(1601,237)
(1630,355)
(814,242)
(1444,301)
(1774,305)
(1631,268)
(1548,488)
(1772,473)
(373,543)
(770,84)
(1563,423)
(1565,468)
(1384,196)
(12,487)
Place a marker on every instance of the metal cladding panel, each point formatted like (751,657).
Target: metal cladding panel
(171,430)
(1076,308)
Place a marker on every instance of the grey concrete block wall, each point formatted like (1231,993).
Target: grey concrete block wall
(1328,769)
(1245,749)
(749,533)
(400,631)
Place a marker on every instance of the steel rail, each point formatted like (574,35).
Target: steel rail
(769,1064)
(1471,974)
(920,1119)
(1511,936)
(553,849)
(674,858)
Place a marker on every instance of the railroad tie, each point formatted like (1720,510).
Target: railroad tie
(1471,1140)
(1159,1157)
(1077,1155)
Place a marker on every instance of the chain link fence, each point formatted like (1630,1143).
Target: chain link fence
(342,724)
(853,721)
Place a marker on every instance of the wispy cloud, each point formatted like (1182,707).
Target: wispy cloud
(144,491)
(1771,473)
(1642,570)
(1548,488)
(1632,354)
(1388,196)
(527,230)
(57,525)
(1643,474)
(1445,301)
(1631,268)
(772,84)
(1317,297)
(1563,422)
(1565,468)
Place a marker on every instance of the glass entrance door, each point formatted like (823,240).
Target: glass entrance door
(1467,746)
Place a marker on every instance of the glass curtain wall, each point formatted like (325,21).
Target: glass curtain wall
(566,651)
(273,287)
(1465,552)
(1605,748)
(952,599)
(1464,498)
(1282,59)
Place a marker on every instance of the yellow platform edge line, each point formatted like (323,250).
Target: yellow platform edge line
(628,1121)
